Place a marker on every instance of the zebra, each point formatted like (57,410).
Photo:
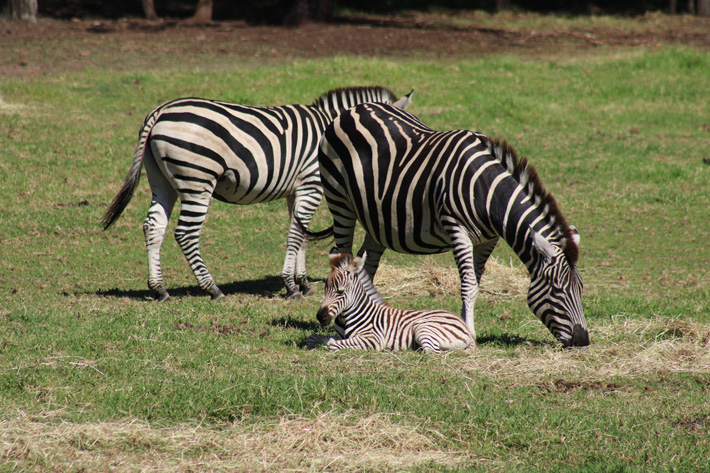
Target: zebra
(416,190)
(195,149)
(364,321)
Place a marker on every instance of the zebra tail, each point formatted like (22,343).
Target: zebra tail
(313,236)
(133,176)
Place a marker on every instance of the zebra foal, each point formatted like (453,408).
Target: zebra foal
(364,321)
(420,191)
(196,149)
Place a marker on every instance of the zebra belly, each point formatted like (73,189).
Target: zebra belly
(417,232)
(229,189)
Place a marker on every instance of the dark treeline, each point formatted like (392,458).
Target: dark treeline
(279,11)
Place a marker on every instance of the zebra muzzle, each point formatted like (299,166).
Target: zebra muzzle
(580,337)
(324,317)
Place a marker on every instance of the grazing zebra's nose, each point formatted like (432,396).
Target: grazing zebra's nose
(580,336)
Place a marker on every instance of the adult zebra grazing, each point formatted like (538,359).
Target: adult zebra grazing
(196,149)
(365,322)
(416,190)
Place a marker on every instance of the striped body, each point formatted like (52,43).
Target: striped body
(416,190)
(365,323)
(195,149)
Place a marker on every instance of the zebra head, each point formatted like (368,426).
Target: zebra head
(340,286)
(555,294)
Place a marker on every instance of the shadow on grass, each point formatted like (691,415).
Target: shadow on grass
(506,340)
(269,287)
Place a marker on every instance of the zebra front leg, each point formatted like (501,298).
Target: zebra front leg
(316,340)
(374,254)
(355,343)
(156,222)
(463,254)
(187,234)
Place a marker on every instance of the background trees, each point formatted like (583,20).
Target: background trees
(293,12)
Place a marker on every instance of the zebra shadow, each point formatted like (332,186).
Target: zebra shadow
(506,340)
(268,287)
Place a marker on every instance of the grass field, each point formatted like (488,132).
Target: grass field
(94,375)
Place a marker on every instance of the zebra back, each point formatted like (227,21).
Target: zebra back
(337,100)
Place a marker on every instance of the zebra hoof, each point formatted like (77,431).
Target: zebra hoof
(306,291)
(162,296)
(293,295)
(217,295)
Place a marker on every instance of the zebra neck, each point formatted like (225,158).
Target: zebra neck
(515,216)
(360,312)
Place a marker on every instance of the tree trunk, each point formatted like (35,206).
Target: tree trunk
(672,7)
(203,12)
(691,7)
(502,5)
(149,9)
(25,10)
(703,7)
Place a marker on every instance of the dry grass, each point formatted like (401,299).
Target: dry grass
(622,348)
(331,441)
(499,281)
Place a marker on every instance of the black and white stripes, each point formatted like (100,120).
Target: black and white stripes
(195,149)
(363,322)
(415,190)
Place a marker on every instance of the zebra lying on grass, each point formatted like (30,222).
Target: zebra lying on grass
(364,321)
(195,149)
(419,191)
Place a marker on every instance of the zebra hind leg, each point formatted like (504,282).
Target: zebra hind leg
(187,234)
(303,285)
(154,230)
(303,205)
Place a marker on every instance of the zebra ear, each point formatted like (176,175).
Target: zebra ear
(543,246)
(333,257)
(404,102)
(575,234)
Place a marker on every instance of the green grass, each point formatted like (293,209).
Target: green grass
(93,373)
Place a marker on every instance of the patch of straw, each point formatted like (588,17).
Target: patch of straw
(337,442)
(623,348)
(499,281)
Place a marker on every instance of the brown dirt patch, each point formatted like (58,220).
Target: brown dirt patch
(55,45)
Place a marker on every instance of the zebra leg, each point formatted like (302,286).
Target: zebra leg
(374,254)
(316,339)
(463,254)
(480,256)
(301,278)
(156,223)
(355,343)
(427,343)
(154,228)
(301,205)
(193,213)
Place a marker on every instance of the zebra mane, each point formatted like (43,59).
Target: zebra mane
(523,171)
(343,98)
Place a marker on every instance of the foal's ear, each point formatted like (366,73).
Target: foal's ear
(333,257)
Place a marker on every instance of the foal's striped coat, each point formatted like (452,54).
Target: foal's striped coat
(365,323)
